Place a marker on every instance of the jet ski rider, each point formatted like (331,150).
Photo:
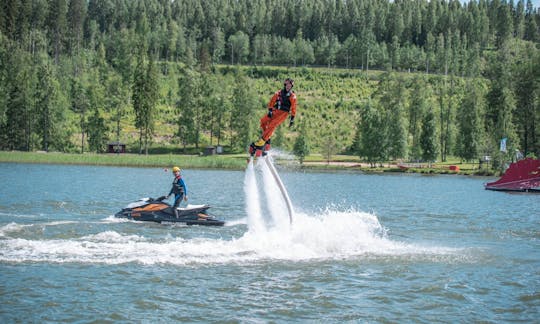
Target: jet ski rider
(179,189)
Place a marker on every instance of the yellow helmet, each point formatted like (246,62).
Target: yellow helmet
(175,169)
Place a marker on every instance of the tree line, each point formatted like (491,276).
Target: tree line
(72,72)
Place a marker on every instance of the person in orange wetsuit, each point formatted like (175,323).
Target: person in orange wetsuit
(281,105)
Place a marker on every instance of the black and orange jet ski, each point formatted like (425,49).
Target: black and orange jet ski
(156,210)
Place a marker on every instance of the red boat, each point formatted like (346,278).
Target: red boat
(523,175)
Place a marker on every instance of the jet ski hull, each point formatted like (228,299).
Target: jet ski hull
(150,210)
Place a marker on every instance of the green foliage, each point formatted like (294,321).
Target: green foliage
(470,122)
(107,52)
(145,97)
(373,138)
(301,145)
(428,140)
(97,132)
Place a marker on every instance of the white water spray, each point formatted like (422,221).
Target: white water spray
(266,203)
(253,206)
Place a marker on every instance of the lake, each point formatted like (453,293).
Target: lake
(361,248)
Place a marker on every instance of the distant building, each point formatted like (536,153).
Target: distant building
(116,147)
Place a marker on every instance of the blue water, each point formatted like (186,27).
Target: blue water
(362,248)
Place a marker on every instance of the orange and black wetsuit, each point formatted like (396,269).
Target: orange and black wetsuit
(280,106)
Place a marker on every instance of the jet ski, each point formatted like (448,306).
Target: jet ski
(156,210)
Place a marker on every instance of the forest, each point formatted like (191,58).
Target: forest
(411,80)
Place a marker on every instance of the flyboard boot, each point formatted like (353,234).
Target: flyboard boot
(266,147)
(256,148)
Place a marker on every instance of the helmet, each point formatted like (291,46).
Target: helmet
(291,81)
(175,169)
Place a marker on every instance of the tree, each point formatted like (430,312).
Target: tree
(326,49)
(218,45)
(303,50)
(76,16)
(79,104)
(261,49)
(95,127)
(239,45)
(531,25)
(144,98)
(118,100)
(428,139)
(418,107)
(242,119)
(527,92)
(470,122)
(189,96)
(392,97)
(501,101)
(97,131)
(504,24)
(373,136)
(47,105)
(301,145)
(19,106)
(57,23)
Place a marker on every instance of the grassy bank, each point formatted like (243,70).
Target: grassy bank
(235,162)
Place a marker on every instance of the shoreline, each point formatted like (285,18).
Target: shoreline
(231,162)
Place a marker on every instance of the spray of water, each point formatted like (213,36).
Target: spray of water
(253,206)
(277,207)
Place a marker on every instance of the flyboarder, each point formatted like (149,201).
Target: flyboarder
(281,105)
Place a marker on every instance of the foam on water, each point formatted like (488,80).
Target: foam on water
(329,235)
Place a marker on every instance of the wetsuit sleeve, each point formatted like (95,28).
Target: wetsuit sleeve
(273,100)
(293,105)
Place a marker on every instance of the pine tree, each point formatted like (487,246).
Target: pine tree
(97,131)
(47,105)
(189,90)
(470,122)
(57,24)
(144,98)
(19,105)
(80,104)
(428,138)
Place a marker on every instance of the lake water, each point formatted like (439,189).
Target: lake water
(362,248)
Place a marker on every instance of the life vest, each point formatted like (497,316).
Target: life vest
(177,188)
(284,102)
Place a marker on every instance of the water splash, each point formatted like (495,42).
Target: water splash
(253,207)
(274,202)
(330,234)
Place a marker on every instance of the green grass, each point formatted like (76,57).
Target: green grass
(226,162)
(234,162)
